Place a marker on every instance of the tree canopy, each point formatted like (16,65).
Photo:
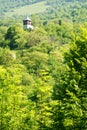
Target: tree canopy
(43,72)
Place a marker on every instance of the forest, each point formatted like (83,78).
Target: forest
(43,72)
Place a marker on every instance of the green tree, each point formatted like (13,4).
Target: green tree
(71,93)
(17,111)
(34,62)
(15,37)
(36,37)
(7,57)
(2,33)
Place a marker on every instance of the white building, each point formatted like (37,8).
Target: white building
(27,24)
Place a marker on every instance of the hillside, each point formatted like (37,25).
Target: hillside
(43,70)
(10,8)
(43,77)
(72,10)
(7,5)
(28,10)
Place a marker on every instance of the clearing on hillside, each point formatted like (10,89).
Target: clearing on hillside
(28,9)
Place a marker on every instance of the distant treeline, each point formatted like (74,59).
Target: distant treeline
(73,10)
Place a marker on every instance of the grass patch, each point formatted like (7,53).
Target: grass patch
(28,9)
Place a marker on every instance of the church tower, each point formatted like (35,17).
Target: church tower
(27,24)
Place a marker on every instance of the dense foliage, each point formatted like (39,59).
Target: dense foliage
(43,78)
(43,73)
(73,10)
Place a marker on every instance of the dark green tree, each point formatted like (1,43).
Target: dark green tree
(15,38)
